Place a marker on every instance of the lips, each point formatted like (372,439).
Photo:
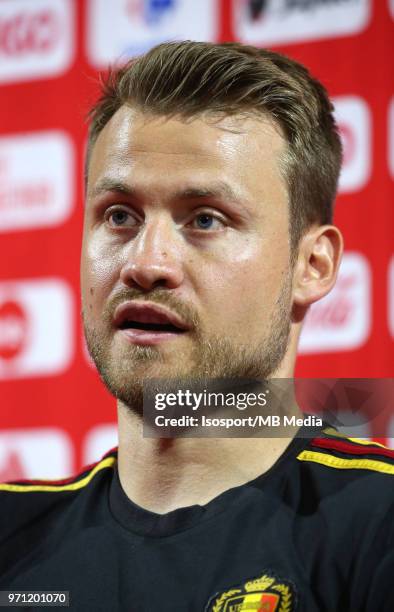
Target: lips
(149,318)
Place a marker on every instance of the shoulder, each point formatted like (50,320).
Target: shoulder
(24,503)
(350,476)
(346,493)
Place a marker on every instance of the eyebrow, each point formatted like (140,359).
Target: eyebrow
(108,184)
(217,190)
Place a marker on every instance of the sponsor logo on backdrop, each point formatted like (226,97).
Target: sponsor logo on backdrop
(390,291)
(341,320)
(150,12)
(35,453)
(36,38)
(354,121)
(124,28)
(36,328)
(14,326)
(98,441)
(390,139)
(36,180)
(268,22)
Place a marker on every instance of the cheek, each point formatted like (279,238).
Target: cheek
(250,261)
(99,271)
(246,278)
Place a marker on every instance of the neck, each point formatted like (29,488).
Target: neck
(163,474)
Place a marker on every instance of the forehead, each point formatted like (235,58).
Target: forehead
(135,146)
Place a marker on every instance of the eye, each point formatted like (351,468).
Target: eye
(206,221)
(119,217)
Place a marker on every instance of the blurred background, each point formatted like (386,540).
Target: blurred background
(55,413)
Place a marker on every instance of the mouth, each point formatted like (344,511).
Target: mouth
(152,327)
(142,323)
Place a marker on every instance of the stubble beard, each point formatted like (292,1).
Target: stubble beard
(210,358)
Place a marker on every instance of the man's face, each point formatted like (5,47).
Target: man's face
(190,216)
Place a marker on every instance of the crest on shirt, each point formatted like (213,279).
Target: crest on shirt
(267,593)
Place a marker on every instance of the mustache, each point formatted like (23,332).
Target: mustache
(157,296)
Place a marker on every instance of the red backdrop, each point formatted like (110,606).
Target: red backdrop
(55,414)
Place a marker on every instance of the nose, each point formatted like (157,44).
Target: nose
(153,257)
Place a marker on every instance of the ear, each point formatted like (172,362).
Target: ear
(315,272)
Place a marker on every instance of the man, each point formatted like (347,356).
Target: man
(211,177)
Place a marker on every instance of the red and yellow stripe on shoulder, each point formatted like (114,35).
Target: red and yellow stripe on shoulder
(335,450)
(74,483)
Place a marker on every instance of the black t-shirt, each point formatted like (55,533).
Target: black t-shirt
(315,532)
